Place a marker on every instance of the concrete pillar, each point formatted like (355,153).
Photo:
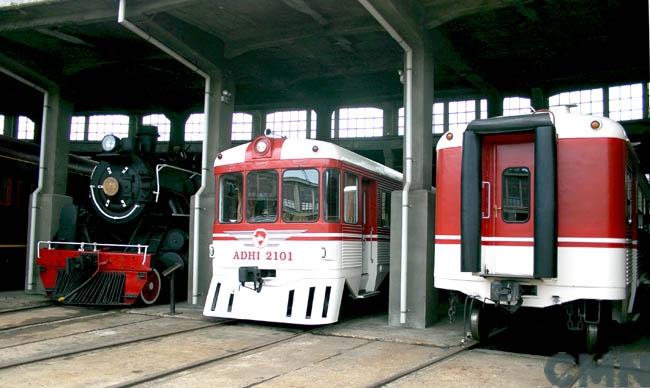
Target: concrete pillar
(539,98)
(45,207)
(324,122)
(390,119)
(219,127)
(134,124)
(494,105)
(389,160)
(263,114)
(56,140)
(258,128)
(10,125)
(422,299)
(177,130)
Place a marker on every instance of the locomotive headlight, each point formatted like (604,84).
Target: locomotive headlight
(109,143)
(261,147)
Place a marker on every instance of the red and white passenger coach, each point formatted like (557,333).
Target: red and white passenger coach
(297,223)
(542,210)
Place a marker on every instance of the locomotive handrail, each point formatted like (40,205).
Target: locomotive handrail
(141,249)
(159,168)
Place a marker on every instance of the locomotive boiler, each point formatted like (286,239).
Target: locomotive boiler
(133,230)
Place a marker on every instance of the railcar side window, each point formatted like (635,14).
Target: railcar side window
(230,198)
(300,190)
(262,196)
(385,209)
(515,200)
(351,199)
(331,195)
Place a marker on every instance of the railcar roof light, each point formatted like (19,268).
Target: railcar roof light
(110,143)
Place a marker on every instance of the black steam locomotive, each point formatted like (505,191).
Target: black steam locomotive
(134,230)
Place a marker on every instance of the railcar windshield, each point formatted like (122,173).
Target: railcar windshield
(300,195)
(230,198)
(262,196)
(300,190)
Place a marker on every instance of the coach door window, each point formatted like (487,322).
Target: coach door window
(350,198)
(516,194)
(300,195)
(629,195)
(262,196)
(332,187)
(384,219)
(230,198)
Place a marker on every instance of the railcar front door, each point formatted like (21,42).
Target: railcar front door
(507,209)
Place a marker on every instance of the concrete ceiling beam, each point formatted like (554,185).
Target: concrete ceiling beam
(291,37)
(36,69)
(405,17)
(445,52)
(302,7)
(203,49)
(79,12)
(439,12)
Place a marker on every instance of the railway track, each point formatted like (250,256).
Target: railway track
(251,350)
(25,308)
(47,357)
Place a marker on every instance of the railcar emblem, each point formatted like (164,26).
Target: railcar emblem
(260,238)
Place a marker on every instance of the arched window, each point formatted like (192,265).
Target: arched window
(437,119)
(242,126)
(461,113)
(102,125)
(626,102)
(78,128)
(513,106)
(161,122)
(194,127)
(292,124)
(25,128)
(588,101)
(359,122)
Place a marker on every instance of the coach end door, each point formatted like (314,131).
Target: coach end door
(507,227)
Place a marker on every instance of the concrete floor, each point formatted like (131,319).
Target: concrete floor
(73,347)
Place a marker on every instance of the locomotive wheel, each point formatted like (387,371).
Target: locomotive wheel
(478,323)
(592,336)
(151,290)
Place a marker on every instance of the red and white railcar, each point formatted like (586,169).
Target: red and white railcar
(297,223)
(541,210)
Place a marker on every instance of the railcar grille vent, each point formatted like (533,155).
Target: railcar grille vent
(216,296)
(105,288)
(629,266)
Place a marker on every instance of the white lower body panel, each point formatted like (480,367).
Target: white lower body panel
(299,300)
(583,273)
